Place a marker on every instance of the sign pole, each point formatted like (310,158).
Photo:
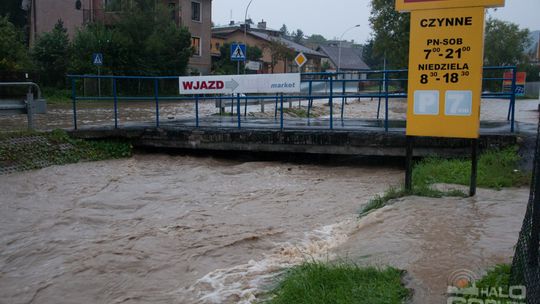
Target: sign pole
(99,81)
(474,166)
(408,164)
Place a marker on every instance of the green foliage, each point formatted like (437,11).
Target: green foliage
(391,194)
(390,34)
(51,54)
(279,51)
(300,112)
(283,30)
(12,9)
(497,278)
(505,43)
(315,283)
(316,39)
(532,70)
(225,66)
(56,96)
(96,38)
(496,169)
(298,36)
(142,41)
(56,148)
(13,53)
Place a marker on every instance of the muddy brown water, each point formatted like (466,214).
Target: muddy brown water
(169,229)
(178,229)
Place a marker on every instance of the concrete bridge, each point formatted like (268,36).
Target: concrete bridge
(349,137)
(331,135)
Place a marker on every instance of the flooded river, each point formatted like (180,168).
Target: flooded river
(157,228)
(178,229)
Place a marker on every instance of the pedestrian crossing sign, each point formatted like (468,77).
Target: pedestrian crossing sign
(238,52)
(97,59)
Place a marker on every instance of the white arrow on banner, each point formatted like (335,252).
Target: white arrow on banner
(230,84)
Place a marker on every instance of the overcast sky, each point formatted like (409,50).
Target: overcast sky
(332,18)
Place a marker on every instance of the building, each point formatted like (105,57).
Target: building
(196,15)
(350,59)
(266,39)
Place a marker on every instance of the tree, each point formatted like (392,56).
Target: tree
(96,38)
(283,30)
(12,9)
(298,36)
(279,51)
(390,34)
(225,66)
(316,39)
(51,54)
(144,40)
(505,43)
(373,61)
(13,53)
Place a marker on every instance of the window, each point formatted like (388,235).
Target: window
(196,11)
(196,45)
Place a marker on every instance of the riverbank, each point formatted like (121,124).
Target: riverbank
(20,151)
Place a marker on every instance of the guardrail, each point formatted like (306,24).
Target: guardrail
(25,105)
(389,84)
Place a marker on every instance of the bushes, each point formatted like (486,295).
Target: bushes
(13,53)
(51,56)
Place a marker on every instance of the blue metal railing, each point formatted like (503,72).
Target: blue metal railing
(336,87)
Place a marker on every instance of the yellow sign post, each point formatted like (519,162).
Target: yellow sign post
(412,5)
(445,72)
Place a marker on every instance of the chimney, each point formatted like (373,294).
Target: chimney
(262,25)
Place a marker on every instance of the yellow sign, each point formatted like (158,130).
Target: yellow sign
(300,60)
(412,5)
(445,72)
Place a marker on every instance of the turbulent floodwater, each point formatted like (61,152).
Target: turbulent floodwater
(176,229)
(170,229)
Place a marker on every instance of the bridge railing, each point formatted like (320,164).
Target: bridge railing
(337,88)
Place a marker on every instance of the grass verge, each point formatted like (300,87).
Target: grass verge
(496,282)
(496,169)
(297,112)
(316,283)
(56,96)
(33,150)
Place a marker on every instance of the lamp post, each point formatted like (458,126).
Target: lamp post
(245,31)
(340,40)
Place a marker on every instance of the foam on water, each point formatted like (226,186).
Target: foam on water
(243,283)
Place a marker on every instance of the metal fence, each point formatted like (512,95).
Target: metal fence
(526,263)
(337,88)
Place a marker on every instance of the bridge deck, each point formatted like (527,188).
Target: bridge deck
(350,137)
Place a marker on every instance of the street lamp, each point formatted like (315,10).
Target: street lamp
(245,31)
(245,21)
(340,40)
